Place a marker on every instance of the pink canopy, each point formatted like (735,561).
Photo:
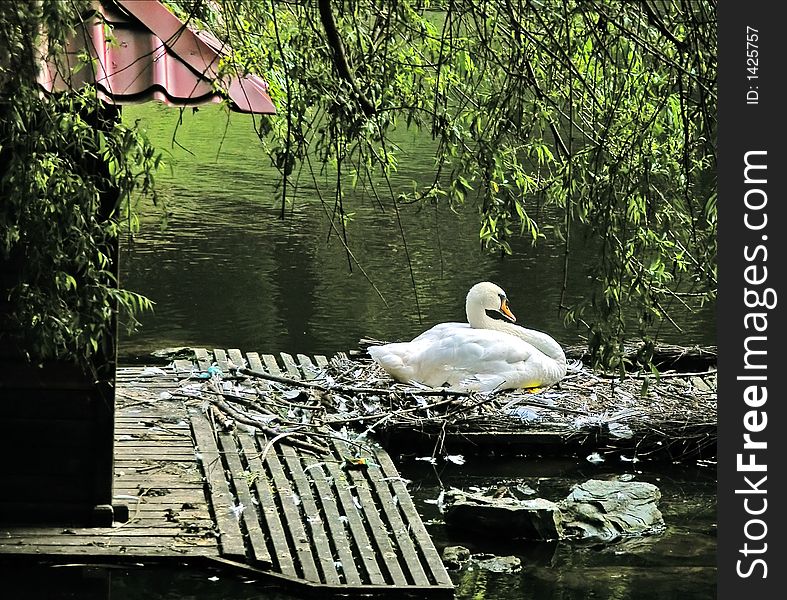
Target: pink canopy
(150,54)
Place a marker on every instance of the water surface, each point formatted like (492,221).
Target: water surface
(228,271)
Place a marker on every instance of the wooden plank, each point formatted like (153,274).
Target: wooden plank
(221,360)
(377,526)
(388,501)
(171,442)
(255,364)
(204,359)
(236,357)
(292,516)
(123,484)
(93,550)
(321,361)
(310,370)
(171,497)
(107,538)
(271,365)
(259,545)
(268,511)
(183,366)
(161,451)
(414,521)
(290,366)
(316,525)
(357,529)
(231,539)
(153,534)
(334,519)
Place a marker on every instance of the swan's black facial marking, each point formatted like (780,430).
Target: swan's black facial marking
(497,315)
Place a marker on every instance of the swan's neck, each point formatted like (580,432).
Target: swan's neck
(478,318)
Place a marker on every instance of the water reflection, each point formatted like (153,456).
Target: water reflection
(96,580)
(228,272)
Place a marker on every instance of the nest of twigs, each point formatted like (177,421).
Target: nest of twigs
(669,414)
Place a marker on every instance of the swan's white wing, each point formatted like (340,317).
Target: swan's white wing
(441,331)
(461,357)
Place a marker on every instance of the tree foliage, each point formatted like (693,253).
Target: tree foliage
(603,109)
(67,172)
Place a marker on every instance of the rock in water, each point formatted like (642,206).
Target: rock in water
(455,557)
(498,564)
(608,510)
(535,519)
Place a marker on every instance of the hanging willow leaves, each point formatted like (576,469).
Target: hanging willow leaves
(68,172)
(603,109)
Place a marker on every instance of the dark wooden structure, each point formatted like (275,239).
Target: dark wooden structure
(196,491)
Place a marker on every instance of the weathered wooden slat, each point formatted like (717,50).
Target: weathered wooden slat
(221,360)
(150,496)
(204,359)
(357,529)
(256,537)
(315,522)
(236,357)
(163,451)
(150,418)
(290,366)
(143,433)
(151,546)
(255,364)
(230,537)
(123,483)
(388,502)
(160,485)
(268,511)
(157,534)
(271,365)
(183,366)
(170,442)
(321,361)
(378,527)
(142,427)
(308,368)
(292,515)
(254,361)
(92,549)
(413,520)
(334,520)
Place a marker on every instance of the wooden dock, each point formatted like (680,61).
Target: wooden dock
(338,523)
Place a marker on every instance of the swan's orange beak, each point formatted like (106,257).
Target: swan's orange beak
(507,311)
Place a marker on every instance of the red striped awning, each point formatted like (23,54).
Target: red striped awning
(147,53)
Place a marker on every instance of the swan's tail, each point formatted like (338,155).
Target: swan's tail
(390,358)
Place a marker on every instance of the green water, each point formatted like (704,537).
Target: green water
(228,272)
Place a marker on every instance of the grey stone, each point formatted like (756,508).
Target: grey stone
(532,519)
(498,564)
(609,510)
(455,557)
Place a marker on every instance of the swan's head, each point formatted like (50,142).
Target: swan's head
(487,296)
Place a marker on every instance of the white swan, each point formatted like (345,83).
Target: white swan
(484,354)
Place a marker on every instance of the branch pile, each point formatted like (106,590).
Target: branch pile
(353,398)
